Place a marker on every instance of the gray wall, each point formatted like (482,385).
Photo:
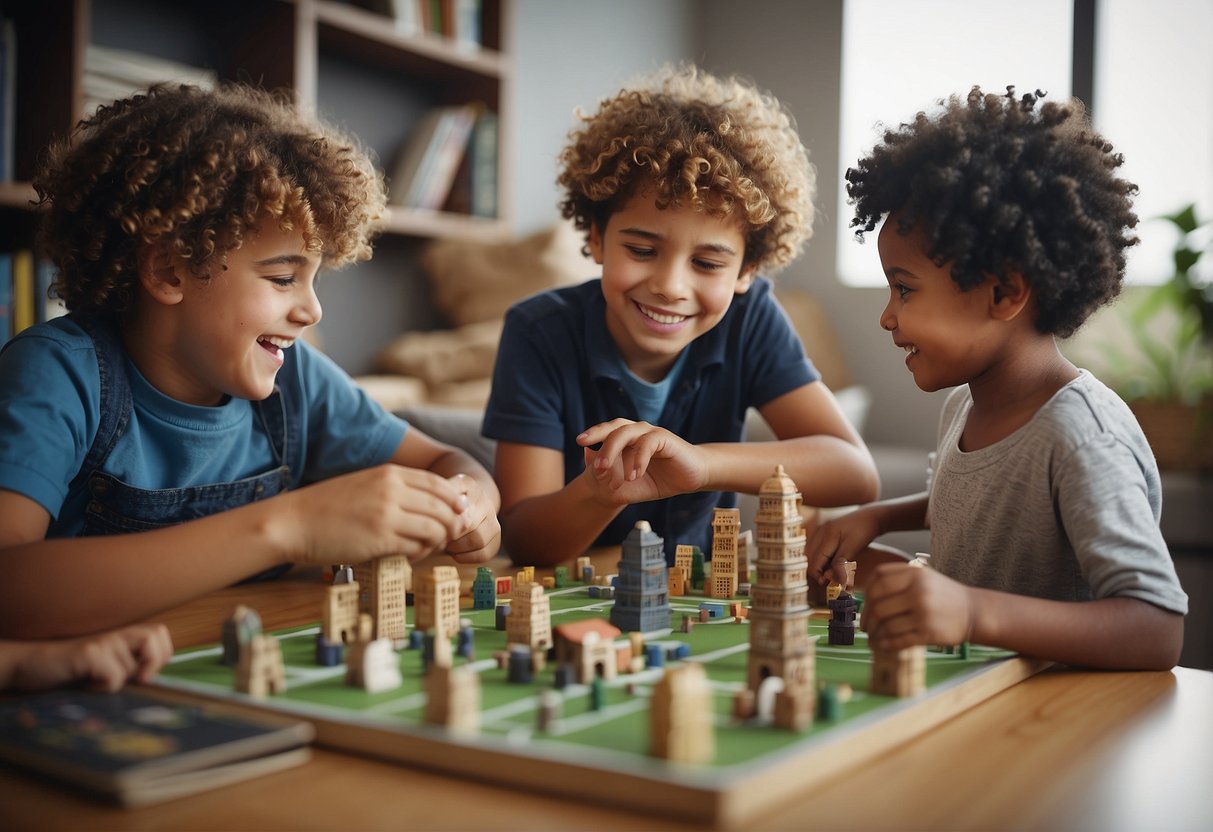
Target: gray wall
(573,53)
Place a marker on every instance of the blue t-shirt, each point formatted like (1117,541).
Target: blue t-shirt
(49,411)
(559,372)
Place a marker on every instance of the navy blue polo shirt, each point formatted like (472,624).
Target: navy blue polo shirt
(559,372)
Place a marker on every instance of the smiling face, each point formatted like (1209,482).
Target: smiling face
(948,334)
(668,277)
(225,336)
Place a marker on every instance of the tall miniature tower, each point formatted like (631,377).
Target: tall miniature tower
(484,589)
(684,554)
(642,600)
(725,525)
(681,716)
(779,616)
(436,601)
(385,582)
(530,618)
(745,548)
(339,615)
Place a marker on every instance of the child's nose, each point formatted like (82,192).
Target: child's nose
(888,320)
(308,310)
(669,280)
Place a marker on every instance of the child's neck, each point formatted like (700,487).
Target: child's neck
(1009,394)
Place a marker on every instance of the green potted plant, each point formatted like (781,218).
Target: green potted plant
(1164,369)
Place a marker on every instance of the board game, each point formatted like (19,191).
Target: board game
(597,748)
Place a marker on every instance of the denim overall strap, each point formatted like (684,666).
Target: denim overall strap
(116,399)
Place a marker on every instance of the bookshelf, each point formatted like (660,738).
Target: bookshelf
(352,65)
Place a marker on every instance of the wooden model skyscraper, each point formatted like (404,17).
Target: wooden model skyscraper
(726,523)
(530,618)
(436,601)
(642,599)
(779,609)
(384,584)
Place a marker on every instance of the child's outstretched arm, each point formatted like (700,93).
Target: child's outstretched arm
(849,537)
(907,605)
(64,587)
(105,661)
(817,447)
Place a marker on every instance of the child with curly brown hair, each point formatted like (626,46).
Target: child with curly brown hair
(624,398)
(1004,226)
(154,441)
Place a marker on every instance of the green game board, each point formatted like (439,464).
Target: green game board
(603,753)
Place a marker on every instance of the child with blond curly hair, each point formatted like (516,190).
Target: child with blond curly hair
(1003,225)
(155,442)
(624,398)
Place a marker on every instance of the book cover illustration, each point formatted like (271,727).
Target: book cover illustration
(137,748)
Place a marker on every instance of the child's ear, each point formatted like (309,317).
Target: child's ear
(157,275)
(595,243)
(1009,296)
(745,280)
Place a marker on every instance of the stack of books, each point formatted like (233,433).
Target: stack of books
(449,162)
(25,292)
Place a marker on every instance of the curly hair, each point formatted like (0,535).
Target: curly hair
(718,145)
(196,171)
(1000,184)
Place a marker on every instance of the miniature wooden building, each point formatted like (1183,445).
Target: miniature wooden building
(779,609)
(589,646)
(745,551)
(677,582)
(899,672)
(436,601)
(339,615)
(237,631)
(385,583)
(484,589)
(453,698)
(726,523)
(642,601)
(261,671)
(684,553)
(530,618)
(680,716)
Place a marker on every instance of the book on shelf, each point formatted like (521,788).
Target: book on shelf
(6,296)
(463,18)
(429,158)
(8,97)
(482,153)
(111,74)
(139,748)
(22,309)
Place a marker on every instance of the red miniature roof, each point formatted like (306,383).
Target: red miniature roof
(576,630)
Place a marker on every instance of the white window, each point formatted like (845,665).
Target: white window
(1154,102)
(1153,93)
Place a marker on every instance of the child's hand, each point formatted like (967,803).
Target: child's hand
(638,462)
(907,605)
(836,541)
(386,510)
(103,662)
(484,536)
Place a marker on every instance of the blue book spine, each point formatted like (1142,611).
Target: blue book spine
(6,296)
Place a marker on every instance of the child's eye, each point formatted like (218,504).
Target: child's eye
(284,282)
(902,290)
(641,252)
(708,265)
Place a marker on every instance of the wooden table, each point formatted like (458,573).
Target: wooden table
(1065,750)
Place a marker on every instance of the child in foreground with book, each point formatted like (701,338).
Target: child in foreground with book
(1004,227)
(105,661)
(624,398)
(174,434)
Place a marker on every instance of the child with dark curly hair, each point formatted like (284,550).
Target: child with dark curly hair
(624,398)
(153,441)
(1004,226)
